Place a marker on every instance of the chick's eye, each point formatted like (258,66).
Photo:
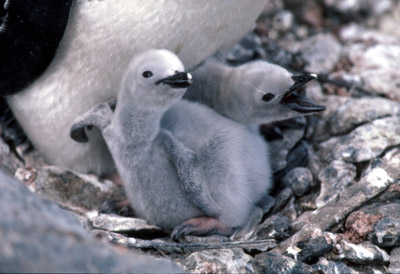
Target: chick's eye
(268,97)
(147,74)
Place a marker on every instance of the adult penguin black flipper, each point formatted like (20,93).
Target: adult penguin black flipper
(30,32)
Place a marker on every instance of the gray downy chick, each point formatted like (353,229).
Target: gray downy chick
(185,167)
(253,93)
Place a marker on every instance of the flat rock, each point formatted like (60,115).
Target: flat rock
(332,267)
(364,143)
(360,111)
(77,192)
(299,180)
(311,224)
(273,263)
(394,266)
(166,246)
(364,253)
(114,223)
(218,261)
(386,231)
(205,239)
(311,249)
(334,179)
(390,162)
(321,52)
(41,237)
(276,226)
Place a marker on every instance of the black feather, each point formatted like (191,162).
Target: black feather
(30,32)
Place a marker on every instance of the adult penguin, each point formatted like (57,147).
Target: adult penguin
(53,82)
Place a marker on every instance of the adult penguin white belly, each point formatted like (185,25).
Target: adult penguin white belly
(101,38)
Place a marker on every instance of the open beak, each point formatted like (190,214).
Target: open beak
(178,80)
(297,103)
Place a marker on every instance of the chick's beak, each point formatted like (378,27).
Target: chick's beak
(297,103)
(178,80)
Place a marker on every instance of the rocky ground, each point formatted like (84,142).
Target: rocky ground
(336,207)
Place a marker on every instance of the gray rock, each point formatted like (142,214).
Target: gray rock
(290,210)
(385,81)
(9,162)
(390,162)
(77,192)
(371,56)
(276,226)
(332,267)
(371,269)
(282,21)
(360,6)
(360,111)
(133,226)
(280,148)
(282,198)
(299,180)
(356,34)
(364,253)
(364,143)
(313,223)
(267,203)
(387,230)
(248,49)
(297,157)
(321,52)
(320,128)
(378,64)
(273,263)
(334,179)
(392,194)
(394,266)
(311,249)
(218,261)
(246,232)
(38,236)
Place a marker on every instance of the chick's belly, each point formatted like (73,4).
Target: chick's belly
(160,199)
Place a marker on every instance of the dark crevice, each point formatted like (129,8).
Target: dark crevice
(11,131)
(361,167)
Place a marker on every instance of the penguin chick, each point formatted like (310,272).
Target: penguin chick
(253,93)
(87,69)
(185,167)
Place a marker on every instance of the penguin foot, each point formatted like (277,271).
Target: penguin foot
(201,226)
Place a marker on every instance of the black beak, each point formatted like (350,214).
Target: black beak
(295,101)
(178,80)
